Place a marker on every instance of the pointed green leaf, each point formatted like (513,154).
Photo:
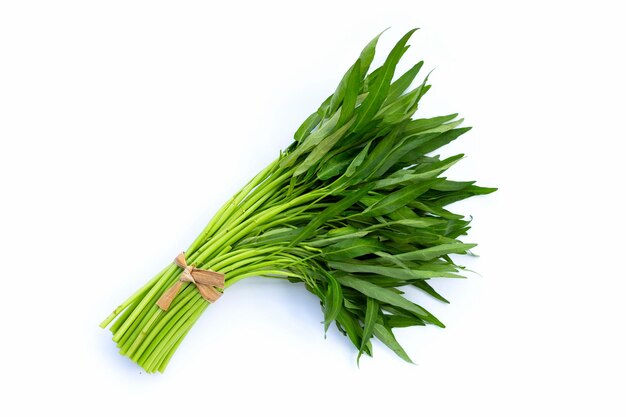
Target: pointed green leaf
(306,127)
(367,55)
(397,199)
(404,82)
(352,248)
(349,325)
(424,286)
(391,272)
(422,125)
(436,210)
(436,251)
(371,316)
(385,295)
(395,320)
(325,129)
(399,110)
(448,185)
(336,238)
(322,148)
(356,162)
(440,141)
(375,158)
(333,301)
(386,336)
(329,213)
(353,85)
(380,87)
(336,165)
(420,174)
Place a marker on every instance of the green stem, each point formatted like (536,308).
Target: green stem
(222,214)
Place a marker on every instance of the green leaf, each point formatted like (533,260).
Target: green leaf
(353,85)
(325,129)
(352,248)
(380,87)
(386,336)
(398,110)
(440,141)
(349,325)
(356,162)
(392,259)
(370,79)
(424,286)
(371,316)
(443,128)
(436,251)
(419,174)
(418,236)
(322,148)
(422,125)
(404,82)
(398,199)
(329,213)
(330,239)
(436,168)
(396,154)
(418,223)
(385,295)
(306,127)
(387,271)
(333,301)
(335,165)
(448,185)
(395,320)
(375,158)
(436,210)
(367,54)
(402,108)
(468,192)
(339,94)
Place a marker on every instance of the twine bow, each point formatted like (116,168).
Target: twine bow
(205,281)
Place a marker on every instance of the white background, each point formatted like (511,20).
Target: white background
(124,125)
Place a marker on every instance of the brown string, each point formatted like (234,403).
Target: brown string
(205,281)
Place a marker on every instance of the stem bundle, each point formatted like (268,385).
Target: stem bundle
(353,209)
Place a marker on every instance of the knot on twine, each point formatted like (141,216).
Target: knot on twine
(205,281)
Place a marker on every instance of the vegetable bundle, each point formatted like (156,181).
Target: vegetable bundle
(354,209)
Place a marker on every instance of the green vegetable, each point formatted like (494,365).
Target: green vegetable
(353,209)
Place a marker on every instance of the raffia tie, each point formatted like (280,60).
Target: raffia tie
(205,281)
